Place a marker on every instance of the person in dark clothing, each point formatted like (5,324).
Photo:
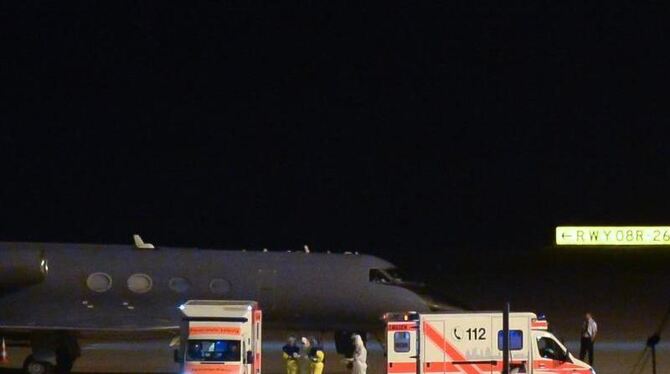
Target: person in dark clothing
(588,337)
(291,354)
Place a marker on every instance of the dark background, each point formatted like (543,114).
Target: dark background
(417,133)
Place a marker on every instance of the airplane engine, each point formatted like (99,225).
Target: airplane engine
(22,267)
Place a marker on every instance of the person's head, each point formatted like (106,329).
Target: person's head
(313,341)
(588,316)
(358,341)
(291,340)
(304,341)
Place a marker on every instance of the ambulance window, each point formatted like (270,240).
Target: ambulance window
(401,342)
(515,340)
(213,350)
(549,348)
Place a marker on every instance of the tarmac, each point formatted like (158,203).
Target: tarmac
(155,356)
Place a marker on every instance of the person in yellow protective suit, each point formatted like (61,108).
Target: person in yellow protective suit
(316,357)
(291,355)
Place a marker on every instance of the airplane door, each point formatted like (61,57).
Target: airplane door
(401,347)
(265,288)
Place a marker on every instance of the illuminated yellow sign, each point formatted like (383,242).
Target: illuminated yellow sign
(613,235)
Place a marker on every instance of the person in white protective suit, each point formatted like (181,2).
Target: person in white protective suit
(360,358)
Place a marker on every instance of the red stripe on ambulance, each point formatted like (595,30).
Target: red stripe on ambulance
(447,348)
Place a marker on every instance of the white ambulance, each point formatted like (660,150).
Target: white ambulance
(473,343)
(220,337)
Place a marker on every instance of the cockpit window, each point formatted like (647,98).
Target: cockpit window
(395,273)
(378,276)
(390,275)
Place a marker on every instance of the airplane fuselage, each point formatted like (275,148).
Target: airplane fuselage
(121,287)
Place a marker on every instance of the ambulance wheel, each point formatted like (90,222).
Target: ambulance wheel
(32,366)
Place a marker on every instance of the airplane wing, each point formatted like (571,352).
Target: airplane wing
(100,321)
(120,333)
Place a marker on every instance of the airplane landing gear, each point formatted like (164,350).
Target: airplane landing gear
(33,366)
(343,343)
(53,353)
(66,353)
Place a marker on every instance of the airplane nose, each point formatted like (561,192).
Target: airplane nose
(436,305)
(439,301)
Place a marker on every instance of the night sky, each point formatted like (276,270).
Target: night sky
(386,128)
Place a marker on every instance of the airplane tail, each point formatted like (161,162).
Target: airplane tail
(3,353)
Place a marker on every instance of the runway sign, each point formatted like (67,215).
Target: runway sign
(613,235)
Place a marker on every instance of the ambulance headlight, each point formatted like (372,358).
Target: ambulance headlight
(182,307)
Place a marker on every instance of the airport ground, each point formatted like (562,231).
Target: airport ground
(154,356)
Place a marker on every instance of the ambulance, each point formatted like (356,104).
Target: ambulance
(220,337)
(473,343)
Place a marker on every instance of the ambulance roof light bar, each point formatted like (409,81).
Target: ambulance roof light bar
(400,316)
(539,323)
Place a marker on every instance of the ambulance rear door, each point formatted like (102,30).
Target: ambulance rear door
(401,347)
(258,343)
(214,347)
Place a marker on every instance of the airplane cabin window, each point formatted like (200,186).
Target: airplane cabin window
(219,286)
(140,283)
(99,282)
(179,285)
